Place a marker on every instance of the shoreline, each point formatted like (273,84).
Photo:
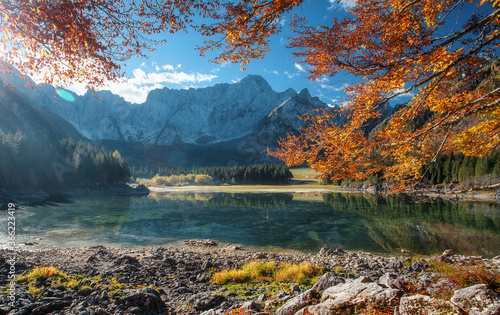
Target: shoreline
(169,280)
(30,195)
(304,189)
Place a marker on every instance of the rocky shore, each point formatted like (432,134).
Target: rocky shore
(177,281)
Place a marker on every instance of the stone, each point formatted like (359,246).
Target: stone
(348,297)
(417,266)
(325,251)
(252,306)
(391,280)
(477,299)
(127,260)
(206,300)
(448,253)
(425,305)
(146,299)
(327,280)
(51,307)
(298,302)
(395,264)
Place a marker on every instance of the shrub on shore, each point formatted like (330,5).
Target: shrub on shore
(176,180)
(258,271)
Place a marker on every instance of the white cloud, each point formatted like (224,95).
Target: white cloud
(299,67)
(290,75)
(325,85)
(341,4)
(271,71)
(136,88)
(168,67)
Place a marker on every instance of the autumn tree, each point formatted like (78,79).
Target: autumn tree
(88,41)
(395,47)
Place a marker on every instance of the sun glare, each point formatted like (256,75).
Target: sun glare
(65,95)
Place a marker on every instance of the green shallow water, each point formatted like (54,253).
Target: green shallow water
(278,221)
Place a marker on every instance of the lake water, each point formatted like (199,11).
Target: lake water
(275,221)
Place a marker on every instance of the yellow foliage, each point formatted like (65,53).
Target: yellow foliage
(258,271)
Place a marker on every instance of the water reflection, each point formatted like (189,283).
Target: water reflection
(265,221)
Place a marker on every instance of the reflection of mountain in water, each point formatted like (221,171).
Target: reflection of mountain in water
(398,222)
(76,219)
(261,220)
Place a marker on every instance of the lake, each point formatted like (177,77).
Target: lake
(264,221)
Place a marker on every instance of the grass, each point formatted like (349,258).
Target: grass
(305,175)
(31,281)
(255,277)
(466,276)
(258,271)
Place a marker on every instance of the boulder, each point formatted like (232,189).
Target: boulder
(298,302)
(448,253)
(326,281)
(147,300)
(425,305)
(348,297)
(477,299)
(205,301)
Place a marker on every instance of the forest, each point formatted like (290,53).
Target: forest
(454,168)
(267,173)
(62,165)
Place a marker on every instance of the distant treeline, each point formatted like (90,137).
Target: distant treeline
(450,168)
(459,168)
(268,173)
(57,165)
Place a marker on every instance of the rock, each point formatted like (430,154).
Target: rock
(200,243)
(205,300)
(325,251)
(295,288)
(51,307)
(442,259)
(395,264)
(348,297)
(327,280)
(477,299)
(448,253)
(391,280)
(295,304)
(339,251)
(146,299)
(417,266)
(127,260)
(184,290)
(423,304)
(252,306)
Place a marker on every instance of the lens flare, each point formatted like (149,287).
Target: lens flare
(65,95)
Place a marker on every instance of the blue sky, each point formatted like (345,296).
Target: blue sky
(177,64)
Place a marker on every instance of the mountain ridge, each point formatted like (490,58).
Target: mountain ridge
(214,114)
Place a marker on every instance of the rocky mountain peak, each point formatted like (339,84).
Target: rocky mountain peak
(214,114)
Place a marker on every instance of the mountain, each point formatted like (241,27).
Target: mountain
(222,124)
(225,124)
(208,115)
(20,114)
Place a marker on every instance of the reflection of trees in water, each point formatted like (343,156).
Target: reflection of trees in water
(77,216)
(398,222)
(237,200)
